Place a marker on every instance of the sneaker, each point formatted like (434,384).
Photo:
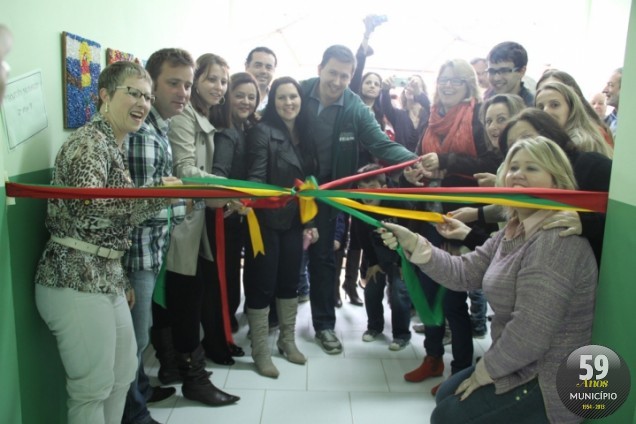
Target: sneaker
(448,337)
(398,344)
(303,298)
(477,334)
(329,342)
(419,328)
(370,335)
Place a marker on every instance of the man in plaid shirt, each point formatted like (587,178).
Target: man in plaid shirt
(149,160)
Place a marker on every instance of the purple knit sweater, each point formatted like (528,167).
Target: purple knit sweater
(542,291)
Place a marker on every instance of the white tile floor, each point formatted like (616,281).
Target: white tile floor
(364,384)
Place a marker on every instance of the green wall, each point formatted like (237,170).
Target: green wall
(40,393)
(614,323)
(10,388)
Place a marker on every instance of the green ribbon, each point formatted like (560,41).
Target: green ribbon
(159,293)
(430,315)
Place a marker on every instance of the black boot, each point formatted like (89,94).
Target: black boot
(196,381)
(352,293)
(161,339)
(337,298)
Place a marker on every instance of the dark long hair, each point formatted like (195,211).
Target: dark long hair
(377,105)
(221,114)
(273,119)
(545,125)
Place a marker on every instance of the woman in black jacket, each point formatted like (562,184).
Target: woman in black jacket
(276,155)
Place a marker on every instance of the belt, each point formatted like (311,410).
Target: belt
(88,247)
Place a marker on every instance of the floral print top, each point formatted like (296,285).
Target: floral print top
(91,158)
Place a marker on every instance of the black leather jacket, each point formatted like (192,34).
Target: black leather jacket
(273,159)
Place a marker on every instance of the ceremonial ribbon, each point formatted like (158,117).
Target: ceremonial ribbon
(258,195)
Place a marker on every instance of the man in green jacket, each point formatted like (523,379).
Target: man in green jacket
(339,124)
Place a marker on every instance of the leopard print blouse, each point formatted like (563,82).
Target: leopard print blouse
(91,158)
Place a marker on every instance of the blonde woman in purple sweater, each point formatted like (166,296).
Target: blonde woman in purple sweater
(541,288)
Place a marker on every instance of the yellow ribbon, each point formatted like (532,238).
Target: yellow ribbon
(307,205)
(383,210)
(255,233)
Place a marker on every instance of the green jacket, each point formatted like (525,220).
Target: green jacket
(356,126)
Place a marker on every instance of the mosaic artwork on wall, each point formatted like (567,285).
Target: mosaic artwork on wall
(81,73)
(113,55)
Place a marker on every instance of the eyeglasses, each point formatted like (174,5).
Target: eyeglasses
(501,71)
(455,82)
(137,94)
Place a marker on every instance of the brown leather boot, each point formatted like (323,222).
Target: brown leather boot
(431,367)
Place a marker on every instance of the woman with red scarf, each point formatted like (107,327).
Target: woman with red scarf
(454,149)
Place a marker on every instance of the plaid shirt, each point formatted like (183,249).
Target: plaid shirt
(150,158)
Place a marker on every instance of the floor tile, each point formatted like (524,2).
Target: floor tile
(243,375)
(306,408)
(346,374)
(246,411)
(371,408)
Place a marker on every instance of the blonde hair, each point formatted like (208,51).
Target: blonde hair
(549,156)
(581,129)
(464,70)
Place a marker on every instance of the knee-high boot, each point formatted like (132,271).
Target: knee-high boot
(287,309)
(261,352)
(196,381)
(161,339)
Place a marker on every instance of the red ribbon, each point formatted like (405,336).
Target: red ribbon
(220,264)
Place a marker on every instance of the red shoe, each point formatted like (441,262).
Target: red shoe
(431,367)
(435,389)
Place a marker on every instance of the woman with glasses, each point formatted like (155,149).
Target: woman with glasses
(454,148)
(82,292)
(192,138)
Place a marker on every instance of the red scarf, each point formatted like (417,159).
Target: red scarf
(451,133)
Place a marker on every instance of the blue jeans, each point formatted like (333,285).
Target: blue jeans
(521,405)
(322,271)
(478,309)
(303,283)
(135,410)
(400,303)
(455,311)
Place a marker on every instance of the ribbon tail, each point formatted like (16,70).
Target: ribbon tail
(432,316)
(427,315)
(255,233)
(159,293)
(221,268)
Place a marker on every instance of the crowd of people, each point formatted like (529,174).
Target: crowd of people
(117,275)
